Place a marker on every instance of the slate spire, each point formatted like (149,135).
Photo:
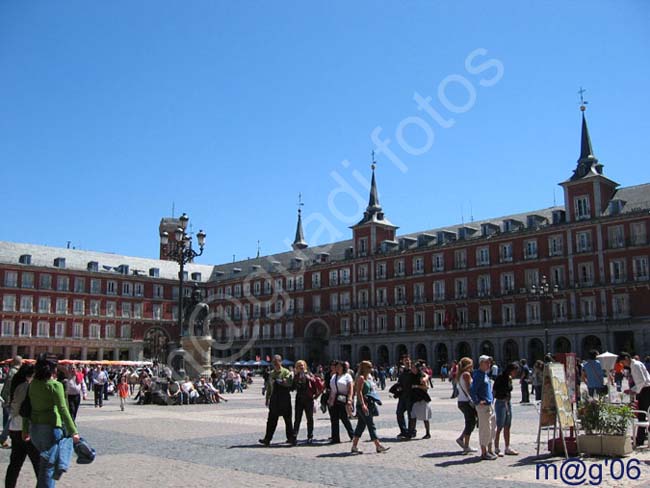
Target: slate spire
(587,163)
(299,241)
(373,200)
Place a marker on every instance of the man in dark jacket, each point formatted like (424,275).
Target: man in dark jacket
(278,400)
(6,389)
(406,380)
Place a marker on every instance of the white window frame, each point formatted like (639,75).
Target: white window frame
(582,207)
(8,328)
(59,330)
(25,328)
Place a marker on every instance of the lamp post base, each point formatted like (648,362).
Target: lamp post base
(198,359)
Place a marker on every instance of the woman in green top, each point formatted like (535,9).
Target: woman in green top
(362,388)
(50,415)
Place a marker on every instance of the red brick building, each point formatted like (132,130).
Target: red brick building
(440,294)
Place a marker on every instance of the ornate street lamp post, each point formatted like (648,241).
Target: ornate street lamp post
(182,253)
(544,292)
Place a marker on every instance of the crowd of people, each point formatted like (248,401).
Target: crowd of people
(483,393)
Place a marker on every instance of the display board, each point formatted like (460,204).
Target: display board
(556,408)
(561,395)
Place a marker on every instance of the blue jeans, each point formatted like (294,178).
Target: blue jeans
(46,440)
(363,422)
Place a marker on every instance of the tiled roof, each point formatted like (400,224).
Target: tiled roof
(43,256)
(635,198)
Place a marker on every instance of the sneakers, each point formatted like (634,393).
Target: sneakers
(355,450)
(382,449)
(498,453)
(488,456)
(427,436)
(460,442)
(469,450)
(310,441)
(6,445)
(511,452)
(264,442)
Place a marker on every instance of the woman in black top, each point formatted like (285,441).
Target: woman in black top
(304,400)
(502,390)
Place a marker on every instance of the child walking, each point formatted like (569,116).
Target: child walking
(123,391)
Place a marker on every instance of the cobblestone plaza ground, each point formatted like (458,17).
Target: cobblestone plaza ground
(208,445)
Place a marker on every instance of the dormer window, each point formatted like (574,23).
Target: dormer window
(466,232)
(25,259)
(512,225)
(534,221)
(489,229)
(92,266)
(426,239)
(154,272)
(615,207)
(123,269)
(559,217)
(59,262)
(445,236)
(196,276)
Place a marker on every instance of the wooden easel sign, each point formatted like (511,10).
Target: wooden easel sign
(555,410)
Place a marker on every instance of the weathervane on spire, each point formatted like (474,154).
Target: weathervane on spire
(583,102)
(374,163)
(300,204)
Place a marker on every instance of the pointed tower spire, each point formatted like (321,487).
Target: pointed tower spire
(299,241)
(373,201)
(586,151)
(587,162)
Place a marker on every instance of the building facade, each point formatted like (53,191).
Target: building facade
(566,278)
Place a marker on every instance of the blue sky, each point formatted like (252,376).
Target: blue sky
(111,111)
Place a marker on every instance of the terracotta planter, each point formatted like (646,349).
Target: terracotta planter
(605,445)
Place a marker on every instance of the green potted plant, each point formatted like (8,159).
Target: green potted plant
(606,426)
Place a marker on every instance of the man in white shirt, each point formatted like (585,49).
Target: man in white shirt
(100,378)
(641,378)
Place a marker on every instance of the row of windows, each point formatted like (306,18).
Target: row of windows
(342,276)
(266,287)
(484,287)
(280,331)
(460,317)
(60,306)
(441,290)
(25,328)
(82,285)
